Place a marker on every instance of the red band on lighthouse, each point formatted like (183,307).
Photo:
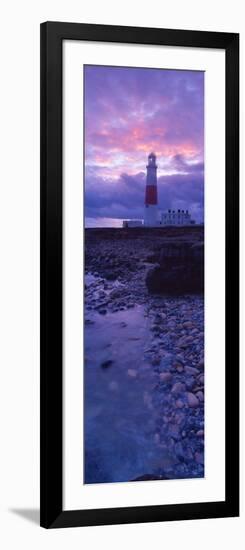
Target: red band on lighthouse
(151,194)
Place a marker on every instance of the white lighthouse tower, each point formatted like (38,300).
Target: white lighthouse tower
(151,208)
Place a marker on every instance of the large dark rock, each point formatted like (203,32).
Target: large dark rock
(180,269)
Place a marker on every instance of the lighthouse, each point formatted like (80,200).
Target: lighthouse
(151,209)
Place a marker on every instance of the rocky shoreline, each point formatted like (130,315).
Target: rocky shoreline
(117,264)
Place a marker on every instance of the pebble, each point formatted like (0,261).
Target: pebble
(192,400)
(200,396)
(184,341)
(179,368)
(187,324)
(191,370)
(178,387)
(201,379)
(165,376)
(190,383)
(199,458)
(132,373)
(201,364)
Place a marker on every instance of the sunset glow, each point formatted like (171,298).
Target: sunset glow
(130,112)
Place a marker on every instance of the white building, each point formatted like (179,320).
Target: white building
(176,217)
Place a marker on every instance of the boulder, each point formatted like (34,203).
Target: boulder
(180,269)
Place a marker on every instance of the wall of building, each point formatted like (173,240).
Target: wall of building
(176,217)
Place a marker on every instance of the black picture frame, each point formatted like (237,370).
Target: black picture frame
(52,35)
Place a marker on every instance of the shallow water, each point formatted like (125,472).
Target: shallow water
(131,425)
(119,431)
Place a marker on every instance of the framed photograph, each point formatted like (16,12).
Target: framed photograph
(139,274)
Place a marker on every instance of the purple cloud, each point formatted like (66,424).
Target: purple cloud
(128,113)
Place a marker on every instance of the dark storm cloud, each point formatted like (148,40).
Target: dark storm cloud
(124,198)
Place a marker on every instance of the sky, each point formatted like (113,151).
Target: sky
(130,112)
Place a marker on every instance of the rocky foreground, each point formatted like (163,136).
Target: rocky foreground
(122,262)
